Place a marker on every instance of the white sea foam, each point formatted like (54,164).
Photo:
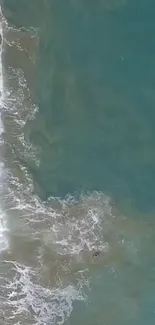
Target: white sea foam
(65,227)
(3,226)
(81,224)
(24,297)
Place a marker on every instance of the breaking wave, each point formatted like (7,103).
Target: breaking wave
(27,299)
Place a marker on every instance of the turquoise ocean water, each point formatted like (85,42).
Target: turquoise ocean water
(77,153)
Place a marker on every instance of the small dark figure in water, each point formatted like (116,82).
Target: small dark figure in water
(96,254)
(0,39)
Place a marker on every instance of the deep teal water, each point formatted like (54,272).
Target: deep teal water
(95,90)
(95,129)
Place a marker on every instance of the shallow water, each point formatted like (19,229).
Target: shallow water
(77,163)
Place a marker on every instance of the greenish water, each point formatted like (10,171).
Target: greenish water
(89,70)
(96,99)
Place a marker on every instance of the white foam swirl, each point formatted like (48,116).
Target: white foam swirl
(26,298)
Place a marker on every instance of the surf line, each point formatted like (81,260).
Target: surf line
(2,23)
(3,227)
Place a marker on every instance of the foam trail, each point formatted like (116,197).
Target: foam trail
(3,228)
